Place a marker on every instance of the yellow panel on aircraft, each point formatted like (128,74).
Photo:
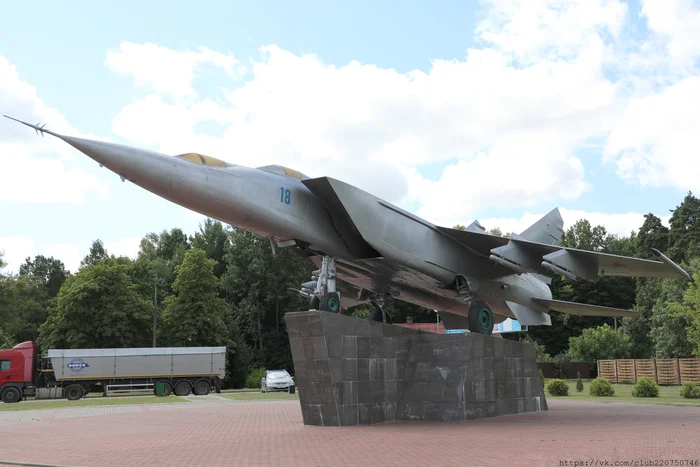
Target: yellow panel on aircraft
(192,157)
(212,161)
(292,173)
(201,159)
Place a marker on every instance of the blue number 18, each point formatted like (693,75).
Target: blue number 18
(285,196)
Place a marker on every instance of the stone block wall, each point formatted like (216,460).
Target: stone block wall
(350,371)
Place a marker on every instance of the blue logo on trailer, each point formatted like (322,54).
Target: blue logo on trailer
(77,364)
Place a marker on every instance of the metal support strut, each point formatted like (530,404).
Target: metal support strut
(381,305)
(325,295)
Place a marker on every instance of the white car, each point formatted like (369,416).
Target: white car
(276,380)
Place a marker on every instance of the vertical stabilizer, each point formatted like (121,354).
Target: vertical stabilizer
(547,230)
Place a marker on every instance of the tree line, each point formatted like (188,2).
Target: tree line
(225,286)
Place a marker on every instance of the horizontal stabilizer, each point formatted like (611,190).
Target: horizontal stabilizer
(581,309)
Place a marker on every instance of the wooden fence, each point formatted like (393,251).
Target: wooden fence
(665,371)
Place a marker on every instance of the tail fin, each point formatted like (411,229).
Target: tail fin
(547,230)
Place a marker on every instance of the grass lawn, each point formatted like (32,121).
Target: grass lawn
(64,403)
(668,395)
(258,396)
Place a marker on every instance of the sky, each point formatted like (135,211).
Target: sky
(455,110)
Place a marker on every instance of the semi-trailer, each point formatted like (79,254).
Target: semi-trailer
(71,373)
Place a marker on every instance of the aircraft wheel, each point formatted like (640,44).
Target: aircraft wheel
(480,318)
(330,302)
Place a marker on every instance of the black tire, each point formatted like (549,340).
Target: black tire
(481,318)
(167,389)
(11,395)
(182,388)
(331,302)
(202,388)
(73,392)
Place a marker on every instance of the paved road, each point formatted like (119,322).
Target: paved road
(220,432)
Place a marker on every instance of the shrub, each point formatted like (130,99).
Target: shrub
(601,387)
(542,378)
(579,382)
(558,387)
(254,377)
(645,387)
(690,390)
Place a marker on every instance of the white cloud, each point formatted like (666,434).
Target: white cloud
(655,141)
(24,174)
(165,70)
(18,248)
(128,247)
(677,23)
(531,29)
(376,127)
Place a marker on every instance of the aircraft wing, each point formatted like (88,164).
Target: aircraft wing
(582,309)
(537,251)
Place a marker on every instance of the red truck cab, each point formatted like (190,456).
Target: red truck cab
(17,371)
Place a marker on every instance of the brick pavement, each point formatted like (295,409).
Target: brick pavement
(267,434)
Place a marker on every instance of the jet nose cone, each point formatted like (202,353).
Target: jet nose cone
(127,162)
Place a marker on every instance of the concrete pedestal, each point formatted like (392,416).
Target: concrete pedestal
(351,371)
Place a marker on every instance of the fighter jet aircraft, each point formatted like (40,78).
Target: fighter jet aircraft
(369,249)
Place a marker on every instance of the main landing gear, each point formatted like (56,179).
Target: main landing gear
(382,309)
(480,318)
(325,297)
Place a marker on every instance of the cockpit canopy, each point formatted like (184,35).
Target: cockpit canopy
(284,171)
(203,160)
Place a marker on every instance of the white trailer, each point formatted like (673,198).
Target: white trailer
(163,370)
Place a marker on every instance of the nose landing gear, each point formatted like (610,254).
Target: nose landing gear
(325,296)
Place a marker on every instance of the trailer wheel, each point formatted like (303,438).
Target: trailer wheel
(202,388)
(74,392)
(167,389)
(11,395)
(183,388)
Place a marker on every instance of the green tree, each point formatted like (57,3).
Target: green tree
(5,341)
(256,283)
(195,316)
(213,238)
(684,235)
(601,343)
(361,312)
(240,358)
(159,255)
(689,309)
(99,307)
(652,234)
(51,271)
(648,291)
(169,245)
(97,254)
(25,308)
